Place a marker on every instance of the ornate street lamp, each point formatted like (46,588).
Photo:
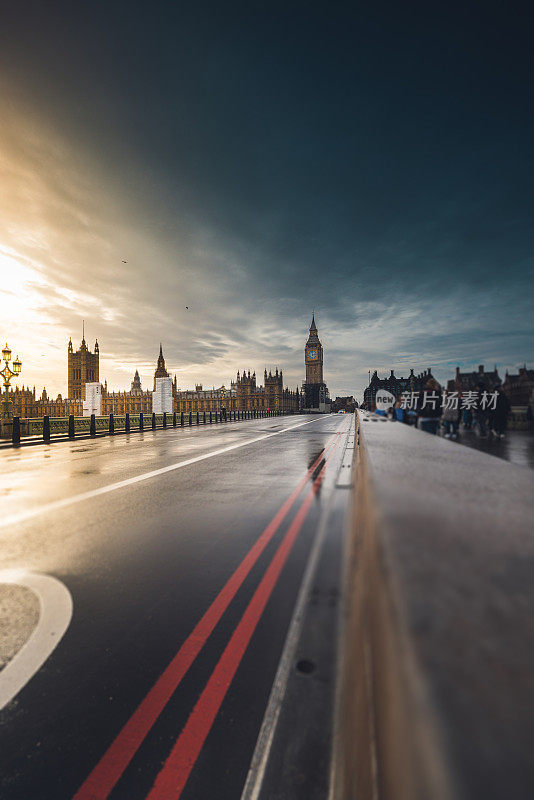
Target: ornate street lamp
(7,373)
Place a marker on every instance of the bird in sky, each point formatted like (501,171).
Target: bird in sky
(124,262)
(187,307)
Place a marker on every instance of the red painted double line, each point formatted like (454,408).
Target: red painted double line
(175,772)
(105,775)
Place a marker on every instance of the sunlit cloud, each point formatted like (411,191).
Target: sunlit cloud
(80,243)
(64,238)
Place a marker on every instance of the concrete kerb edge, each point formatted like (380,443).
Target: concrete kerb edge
(387,735)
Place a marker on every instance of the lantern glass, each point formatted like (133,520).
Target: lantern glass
(17,366)
(6,353)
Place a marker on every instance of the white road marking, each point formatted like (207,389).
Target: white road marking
(55,615)
(260,758)
(21,516)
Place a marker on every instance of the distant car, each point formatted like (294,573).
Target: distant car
(341,411)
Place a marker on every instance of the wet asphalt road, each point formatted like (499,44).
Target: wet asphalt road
(517,446)
(143,564)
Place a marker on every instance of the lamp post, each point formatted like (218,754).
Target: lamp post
(222,395)
(7,373)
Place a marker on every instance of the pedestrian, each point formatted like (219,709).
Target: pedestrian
(499,417)
(467,419)
(391,415)
(451,421)
(429,407)
(481,414)
(400,413)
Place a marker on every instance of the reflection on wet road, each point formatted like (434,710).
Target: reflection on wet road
(183,553)
(517,446)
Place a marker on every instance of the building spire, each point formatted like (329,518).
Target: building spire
(83,330)
(161,371)
(313,327)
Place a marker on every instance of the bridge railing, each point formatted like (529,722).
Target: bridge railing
(44,429)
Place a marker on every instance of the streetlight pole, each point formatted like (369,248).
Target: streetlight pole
(7,373)
(223,401)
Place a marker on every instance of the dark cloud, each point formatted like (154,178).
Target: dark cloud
(372,160)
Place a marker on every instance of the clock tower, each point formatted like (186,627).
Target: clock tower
(313,356)
(315,389)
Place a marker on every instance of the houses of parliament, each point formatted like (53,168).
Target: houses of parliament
(243,394)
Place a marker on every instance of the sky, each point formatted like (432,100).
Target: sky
(255,161)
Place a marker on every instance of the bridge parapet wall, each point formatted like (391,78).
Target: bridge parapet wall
(437,697)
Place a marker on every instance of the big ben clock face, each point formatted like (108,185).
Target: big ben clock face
(312,355)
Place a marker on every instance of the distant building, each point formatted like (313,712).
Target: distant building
(469,381)
(135,401)
(82,368)
(242,395)
(519,388)
(205,400)
(27,405)
(395,385)
(316,395)
(270,397)
(136,389)
(247,393)
(347,404)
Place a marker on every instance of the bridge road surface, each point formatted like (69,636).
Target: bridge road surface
(143,563)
